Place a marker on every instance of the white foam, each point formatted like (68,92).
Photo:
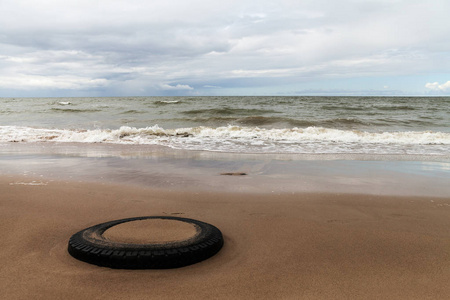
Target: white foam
(247,139)
(29,183)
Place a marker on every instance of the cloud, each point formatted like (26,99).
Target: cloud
(435,86)
(176,87)
(138,45)
(51,82)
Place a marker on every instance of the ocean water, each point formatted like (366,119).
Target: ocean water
(301,125)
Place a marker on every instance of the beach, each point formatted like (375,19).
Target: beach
(285,243)
(316,197)
(224,150)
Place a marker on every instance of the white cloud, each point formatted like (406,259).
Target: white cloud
(435,86)
(22,82)
(177,87)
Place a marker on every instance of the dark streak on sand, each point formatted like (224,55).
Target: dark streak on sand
(233,173)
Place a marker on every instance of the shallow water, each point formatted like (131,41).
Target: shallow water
(162,168)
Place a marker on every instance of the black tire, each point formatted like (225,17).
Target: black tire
(90,246)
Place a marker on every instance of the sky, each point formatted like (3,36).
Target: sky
(70,48)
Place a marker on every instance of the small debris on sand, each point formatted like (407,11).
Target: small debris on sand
(234,173)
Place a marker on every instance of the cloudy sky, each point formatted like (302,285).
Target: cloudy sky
(226,47)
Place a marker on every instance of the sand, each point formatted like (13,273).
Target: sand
(151,231)
(277,246)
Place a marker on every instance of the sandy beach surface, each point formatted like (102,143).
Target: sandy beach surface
(295,245)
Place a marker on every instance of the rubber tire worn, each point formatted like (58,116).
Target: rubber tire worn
(90,246)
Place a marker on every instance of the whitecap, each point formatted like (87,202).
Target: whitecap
(246,139)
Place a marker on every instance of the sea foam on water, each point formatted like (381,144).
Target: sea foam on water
(245,139)
(375,125)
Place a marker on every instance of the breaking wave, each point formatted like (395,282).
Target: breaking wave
(166,102)
(247,139)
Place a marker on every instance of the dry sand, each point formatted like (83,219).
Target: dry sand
(277,246)
(154,231)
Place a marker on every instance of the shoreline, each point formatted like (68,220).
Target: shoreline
(148,151)
(302,245)
(164,168)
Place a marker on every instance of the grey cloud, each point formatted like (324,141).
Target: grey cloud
(139,45)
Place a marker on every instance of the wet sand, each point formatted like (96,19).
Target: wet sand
(170,169)
(294,245)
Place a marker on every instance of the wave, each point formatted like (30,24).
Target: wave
(249,121)
(74,110)
(283,121)
(341,122)
(395,107)
(132,111)
(166,102)
(343,107)
(61,103)
(226,111)
(278,122)
(246,139)
(262,121)
(366,108)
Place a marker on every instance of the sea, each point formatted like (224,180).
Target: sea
(257,124)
